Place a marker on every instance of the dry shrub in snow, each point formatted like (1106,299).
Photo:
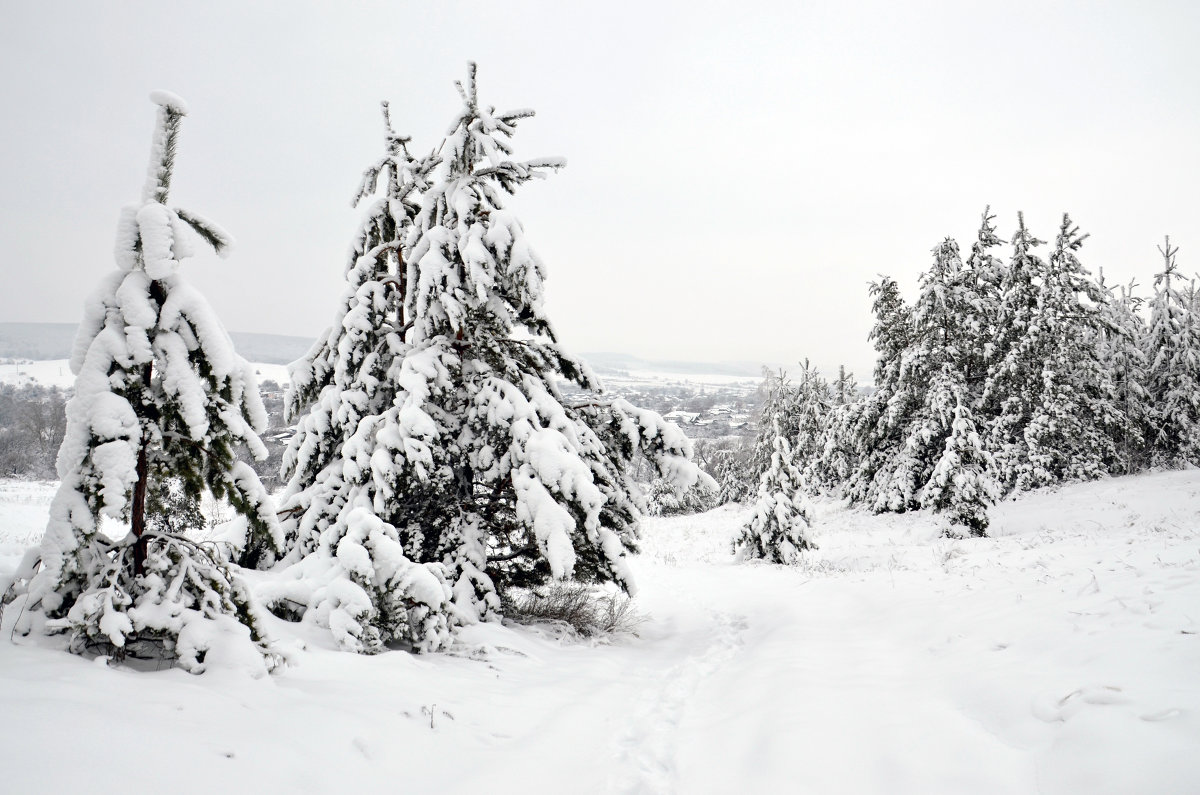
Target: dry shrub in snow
(582,609)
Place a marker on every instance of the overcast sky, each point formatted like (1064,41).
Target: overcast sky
(736,175)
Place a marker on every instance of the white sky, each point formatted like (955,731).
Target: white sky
(736,173)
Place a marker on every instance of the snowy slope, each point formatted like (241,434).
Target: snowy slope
(1060,656)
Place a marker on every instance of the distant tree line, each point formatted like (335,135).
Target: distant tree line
(32,422)
(1004,375)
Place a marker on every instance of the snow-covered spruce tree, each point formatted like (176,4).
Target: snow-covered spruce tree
(664,499)
(875,434)
(941,333)
(477,465)
(938,340)
(160,398)
(1172,347)
(1057,410)
(961,485)
(728,467)
(836,456)
(980,283)
(508,484)
(812,409)
(885,443)
(1120,352)
(1013,380)
(347,568)
(1075,428)
(844,389)
(778,529)
(777,415)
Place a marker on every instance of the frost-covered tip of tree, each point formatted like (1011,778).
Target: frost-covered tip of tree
(778,529)
(160,397)
(463,447)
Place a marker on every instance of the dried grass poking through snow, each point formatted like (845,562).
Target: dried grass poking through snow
(580,609)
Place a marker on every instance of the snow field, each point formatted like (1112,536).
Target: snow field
(1059,656)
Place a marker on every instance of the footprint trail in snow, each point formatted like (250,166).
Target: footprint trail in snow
(646,750)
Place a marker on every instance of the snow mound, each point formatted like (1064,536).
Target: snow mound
(1058,656)
(170,101)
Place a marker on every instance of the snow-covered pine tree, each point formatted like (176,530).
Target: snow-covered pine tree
(728,467)
(1120,352)
(939,335)
(1014,372)
(664,499)
(348,568)
(875,436)
(844,389)
(1073,433)
(343,377)
(778,530)
(479,464)
(1172,347)
(778,410)
(160,396)
(812,408)
(938,340)
(980,282)
(521,485)
(1059,414)
(961,485)
(836,455)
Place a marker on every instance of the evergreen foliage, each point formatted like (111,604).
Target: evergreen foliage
(349,569)
(160,398)
(778,529)
(1120,352)
(961,484)
(728,466)
(938,345)
(812,405)
(1058,411)
(460,458)
(663,498)
(981,283)
(1172,348)
(778,415)
(1009,376)
(876,430)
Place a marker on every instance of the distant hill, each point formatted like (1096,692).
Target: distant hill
(44,341)
(623,362)
(37,341)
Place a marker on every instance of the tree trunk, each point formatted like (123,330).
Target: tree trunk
(137,512)
(137,519)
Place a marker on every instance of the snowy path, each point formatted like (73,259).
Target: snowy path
(1060,656)
(812,684)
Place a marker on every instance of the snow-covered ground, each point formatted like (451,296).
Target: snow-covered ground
(1059,656)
